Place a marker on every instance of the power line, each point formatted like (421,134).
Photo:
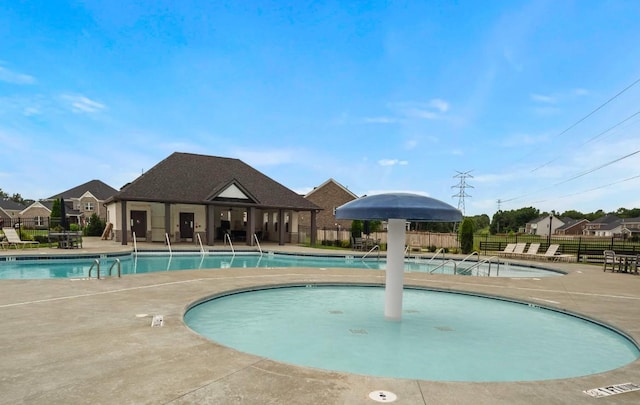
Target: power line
(593,138)
(591,189)
(589,115)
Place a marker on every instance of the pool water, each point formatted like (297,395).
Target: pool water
(135,264)
(442,336)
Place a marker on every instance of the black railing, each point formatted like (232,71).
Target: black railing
(584,248)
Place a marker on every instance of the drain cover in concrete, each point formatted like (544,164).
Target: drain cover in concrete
(383,396)
(612,390)
(157,321)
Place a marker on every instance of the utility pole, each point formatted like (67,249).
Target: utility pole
(461,186)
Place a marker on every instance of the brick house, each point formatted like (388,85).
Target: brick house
(329,196)
(572,227)
(85,200)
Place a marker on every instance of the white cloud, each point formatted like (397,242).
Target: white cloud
(82,104)
(375,192)
(392,162)
(518,140)
(267,157)
(411,144)
(580,92)
(9,76)
(431,110)
(439,105)
(380,120)
(543,98)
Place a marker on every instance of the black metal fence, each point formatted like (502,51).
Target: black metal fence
(31,228)
(584,248)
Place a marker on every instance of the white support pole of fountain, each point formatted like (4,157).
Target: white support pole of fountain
(396,232)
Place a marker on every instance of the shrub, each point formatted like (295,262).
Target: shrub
(466,236)
(95,227)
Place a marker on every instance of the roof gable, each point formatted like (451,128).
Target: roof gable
(101,191)
(233,191)
(329,182)
(199,179)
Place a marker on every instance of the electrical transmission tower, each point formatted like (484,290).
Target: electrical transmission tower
(462,186)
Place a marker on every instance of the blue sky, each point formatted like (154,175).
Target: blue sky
(381,96)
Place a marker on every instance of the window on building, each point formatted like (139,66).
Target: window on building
(88,206)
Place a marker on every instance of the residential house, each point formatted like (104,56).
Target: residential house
(9,212)
(329,196)
(80,203)
(572,227)
(36,215)
(85,200)
(606,226)
(193,197)
(545,225)
(631,227)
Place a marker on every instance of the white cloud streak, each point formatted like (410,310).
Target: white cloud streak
(9,76)
(82,104)
(392,162)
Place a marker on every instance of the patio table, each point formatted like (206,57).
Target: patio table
(628,263)
(66,240)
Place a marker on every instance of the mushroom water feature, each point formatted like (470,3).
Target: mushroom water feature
(397,209)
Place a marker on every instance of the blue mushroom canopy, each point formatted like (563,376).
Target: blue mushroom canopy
(411,207)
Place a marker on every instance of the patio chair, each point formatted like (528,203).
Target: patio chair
(610,261)
(14,239)
(533,250)
(552,254)
(508,249)
(518,250)
(356,243)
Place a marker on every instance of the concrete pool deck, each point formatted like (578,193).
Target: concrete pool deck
(90,341)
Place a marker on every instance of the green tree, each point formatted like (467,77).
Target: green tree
(573,214)
(466,235)
(55,214)
(356,228)
(95,227)
(512,221)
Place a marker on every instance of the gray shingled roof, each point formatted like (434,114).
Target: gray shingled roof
(197,179)
(11,205)
(97,188)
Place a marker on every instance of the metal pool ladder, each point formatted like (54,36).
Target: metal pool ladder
(370,251)
(96,265)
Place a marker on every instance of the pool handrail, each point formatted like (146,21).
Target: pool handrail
(484,261)
(135,243)
(474,253)
(166,237)
(455,266)
(96,264)
(371,250)
(116,262)
(228,238)
(255,236)
(436,255)
(200,242)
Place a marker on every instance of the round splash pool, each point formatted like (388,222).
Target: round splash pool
(443,336)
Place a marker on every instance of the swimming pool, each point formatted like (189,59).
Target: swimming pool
(443,336)
(78,267)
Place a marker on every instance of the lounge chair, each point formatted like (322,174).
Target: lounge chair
(532,251)
(552,254)
(14,239)
(610,261)
(518,250)
(508,249)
